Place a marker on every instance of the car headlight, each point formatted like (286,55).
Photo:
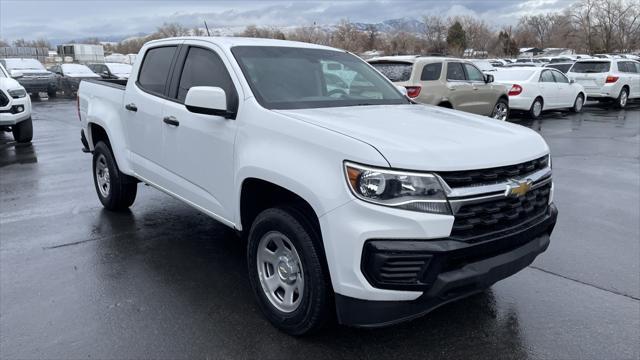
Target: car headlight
(17,93)
(421,192)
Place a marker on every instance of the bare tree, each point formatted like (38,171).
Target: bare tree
(435,32)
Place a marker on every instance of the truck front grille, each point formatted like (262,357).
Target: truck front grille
(474,220)
(498,174)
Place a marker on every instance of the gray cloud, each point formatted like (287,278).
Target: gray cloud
(33,19)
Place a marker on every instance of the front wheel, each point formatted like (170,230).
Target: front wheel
(623,98)
(578,104)
(501,110)
(23,131)
(286,271)
(116,191)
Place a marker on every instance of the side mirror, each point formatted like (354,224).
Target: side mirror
(105,73)
(489,78)
(402,89)
(208,100)
(571,81)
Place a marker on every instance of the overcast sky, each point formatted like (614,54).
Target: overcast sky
(81,19)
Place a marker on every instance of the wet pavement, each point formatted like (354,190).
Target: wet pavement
(164,281)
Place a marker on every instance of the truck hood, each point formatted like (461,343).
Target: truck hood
(425,137)
(9,84)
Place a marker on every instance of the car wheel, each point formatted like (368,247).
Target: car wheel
(23,131)
(578,104)
(286,271)
(536,108)
(501,110)
(52,92)
(116,191)
(623,98)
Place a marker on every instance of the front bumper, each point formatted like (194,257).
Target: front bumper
(9,115)
(455,270)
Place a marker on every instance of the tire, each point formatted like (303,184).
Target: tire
(52,92)
(116,191)
(501,110)
(623,99)
(534,111)
(23,131)
(578,104)
(284,247)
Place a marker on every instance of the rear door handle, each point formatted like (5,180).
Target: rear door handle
(131,107)
(171,121)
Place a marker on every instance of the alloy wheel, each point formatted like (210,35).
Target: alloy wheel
(501,111)
(102,176)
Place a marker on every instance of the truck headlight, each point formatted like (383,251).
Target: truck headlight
(399,189)
(18,93)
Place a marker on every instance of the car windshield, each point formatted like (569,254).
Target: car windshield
(562,67)
(299,78)
(591,67)
(119,68)
(394,71)
(68,69)
(23,64)
(513,75)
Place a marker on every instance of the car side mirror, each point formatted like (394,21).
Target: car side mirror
(571,81)
(105,73)
(208,100)
(489,78)
(402,89)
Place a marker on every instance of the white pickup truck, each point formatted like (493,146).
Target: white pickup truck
(355,201)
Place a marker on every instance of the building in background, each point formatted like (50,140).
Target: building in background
(82,53)
(38,53)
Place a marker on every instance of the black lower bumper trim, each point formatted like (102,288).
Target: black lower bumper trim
(450,285)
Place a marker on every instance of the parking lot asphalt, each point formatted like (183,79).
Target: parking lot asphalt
(165,281)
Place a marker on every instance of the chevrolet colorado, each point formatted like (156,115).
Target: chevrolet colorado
(355,202)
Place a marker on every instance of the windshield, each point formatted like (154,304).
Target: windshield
(69,69)
(394,71)
(119,68)
(591,67)
(562,67)
(513,75)
(300,78)
(23,64)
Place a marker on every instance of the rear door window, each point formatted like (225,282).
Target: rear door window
(455,72)
(591,67)
(154,71)
(547,76)
(431,72)
(395,71)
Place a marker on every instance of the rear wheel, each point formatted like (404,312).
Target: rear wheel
(23,131)
(536,108)
(578,104)
(286,271)
(623,98)
(116,191)
(501,110)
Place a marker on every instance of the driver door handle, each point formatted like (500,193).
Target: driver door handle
(131,107)
(171,121)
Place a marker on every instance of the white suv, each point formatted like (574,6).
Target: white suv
(15,108)
(608,79)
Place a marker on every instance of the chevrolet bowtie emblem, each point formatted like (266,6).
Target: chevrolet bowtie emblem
(517,188)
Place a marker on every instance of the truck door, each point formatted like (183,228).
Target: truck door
(144,101)
(198,148)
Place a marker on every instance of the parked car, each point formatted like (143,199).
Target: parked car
(537,89)
(247,133)
(447,82)
(484,65)
(15,108)
(522,64)
(560,59)
(31,74)
(111,70)
(70,75)
(564,67)
(615,80)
